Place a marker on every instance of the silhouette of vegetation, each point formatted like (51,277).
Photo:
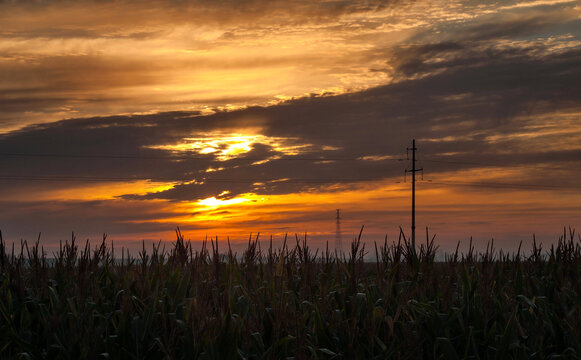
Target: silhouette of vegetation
(289,302)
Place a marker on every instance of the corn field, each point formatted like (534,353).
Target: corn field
(292,302)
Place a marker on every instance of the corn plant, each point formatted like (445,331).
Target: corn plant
(291,302)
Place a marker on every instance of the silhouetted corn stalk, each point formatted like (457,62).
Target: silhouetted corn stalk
(289,302)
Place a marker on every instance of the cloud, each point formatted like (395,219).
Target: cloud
(68,60)
(469,103)
(61,59)
(489,98)
(514,26)
(219,11)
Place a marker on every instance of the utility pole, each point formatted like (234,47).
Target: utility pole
(338,246)
(413,149)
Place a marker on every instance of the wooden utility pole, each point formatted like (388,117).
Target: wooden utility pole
(413,149)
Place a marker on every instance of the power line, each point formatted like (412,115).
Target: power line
(461,162)
(132,157)
(212,157)
(81,178)
(57,178)
(199,180)
(287,158)
(507,185)
(197,157)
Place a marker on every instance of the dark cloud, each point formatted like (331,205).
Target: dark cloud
(512,27)
(88,217)
(470,96)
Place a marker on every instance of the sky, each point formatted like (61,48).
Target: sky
(231,118)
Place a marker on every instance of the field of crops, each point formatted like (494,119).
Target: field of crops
(291,302)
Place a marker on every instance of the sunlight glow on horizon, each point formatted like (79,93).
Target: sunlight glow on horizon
(235,117)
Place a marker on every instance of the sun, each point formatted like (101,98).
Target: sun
(215,202)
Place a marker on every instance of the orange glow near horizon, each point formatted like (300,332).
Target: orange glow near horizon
(109,190)
(445,210)
(238,101)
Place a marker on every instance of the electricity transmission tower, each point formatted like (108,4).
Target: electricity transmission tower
(413,149)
